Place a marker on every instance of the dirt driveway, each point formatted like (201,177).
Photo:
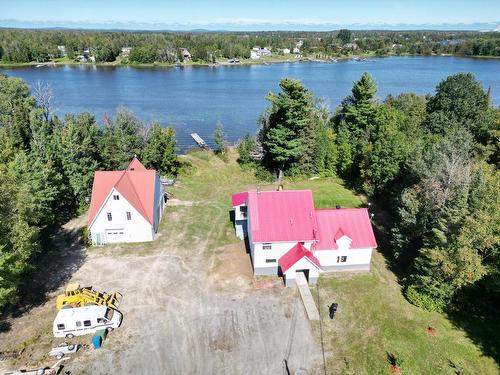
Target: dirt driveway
(190,306)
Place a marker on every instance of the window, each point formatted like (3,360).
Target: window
(243,211)
(78,324)
(270,260)
(342,259)
(60,327)
(266,246)
(86,323)
(110,217)
(109,314)
(129,216)
(100,320)
(116,197)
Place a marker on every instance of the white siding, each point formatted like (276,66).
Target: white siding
(278,249)
(328,258)
(138,229)
(302,264)
(238,214)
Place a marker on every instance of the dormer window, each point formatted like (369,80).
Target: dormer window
(116,197)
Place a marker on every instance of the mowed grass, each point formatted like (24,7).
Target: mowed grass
(373,317)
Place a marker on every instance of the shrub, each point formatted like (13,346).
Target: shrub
(423,300)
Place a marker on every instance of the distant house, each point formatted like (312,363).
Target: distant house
(351,46)
(258,52)
(296,51)
(286,51)
(62,51)
(185,54)
(126,205)
(85,56)
(286,235)
(126,51)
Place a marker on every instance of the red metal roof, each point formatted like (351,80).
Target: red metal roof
(282,216)
(137,185)
(351,222)
(295,254)
(240,198)
(136,165)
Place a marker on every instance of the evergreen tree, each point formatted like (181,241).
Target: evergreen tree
(283,124)
(385,153)
(159,150)
(220,139)
(354,122)
(120,140)
(78,149)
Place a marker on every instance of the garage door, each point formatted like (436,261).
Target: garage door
(115,235)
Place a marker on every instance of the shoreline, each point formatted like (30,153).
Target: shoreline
(244,62)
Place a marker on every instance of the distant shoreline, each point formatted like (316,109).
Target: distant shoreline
(243,62)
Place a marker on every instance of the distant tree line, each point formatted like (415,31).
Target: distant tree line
(431,162)
(22,46)
(47,166)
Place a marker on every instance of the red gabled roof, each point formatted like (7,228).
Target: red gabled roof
(240,198)
(351,222)
(137,185)
(136,165)
(295,254)
(282,216)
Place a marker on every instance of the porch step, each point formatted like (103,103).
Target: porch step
(307,298)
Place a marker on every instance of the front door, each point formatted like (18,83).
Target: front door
(305,272)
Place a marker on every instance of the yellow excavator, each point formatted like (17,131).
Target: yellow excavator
(76,296)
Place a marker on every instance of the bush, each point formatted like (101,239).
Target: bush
(263,174)
(85,237)
(423,300)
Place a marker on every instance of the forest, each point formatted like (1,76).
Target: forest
(24,46)
(47,166)
(428,163)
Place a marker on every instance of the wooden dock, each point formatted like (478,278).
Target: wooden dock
(199,141)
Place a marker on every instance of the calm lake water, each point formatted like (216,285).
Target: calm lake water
(194,99)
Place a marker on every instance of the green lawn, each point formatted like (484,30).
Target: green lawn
(373,317)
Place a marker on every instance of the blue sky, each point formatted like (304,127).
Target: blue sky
(241,12)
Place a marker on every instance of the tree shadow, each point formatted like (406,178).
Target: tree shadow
(62,255)
(482,329)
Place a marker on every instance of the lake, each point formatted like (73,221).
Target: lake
(195,98)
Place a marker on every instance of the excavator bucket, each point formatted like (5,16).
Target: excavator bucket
(76,296)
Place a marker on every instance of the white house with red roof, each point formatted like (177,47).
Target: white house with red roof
(126,205)
(287,234)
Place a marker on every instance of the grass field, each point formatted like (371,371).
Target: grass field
(374,318)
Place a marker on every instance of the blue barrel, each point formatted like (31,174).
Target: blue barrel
(97,341)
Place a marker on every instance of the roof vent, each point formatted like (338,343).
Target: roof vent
(338,206)
(258,190)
